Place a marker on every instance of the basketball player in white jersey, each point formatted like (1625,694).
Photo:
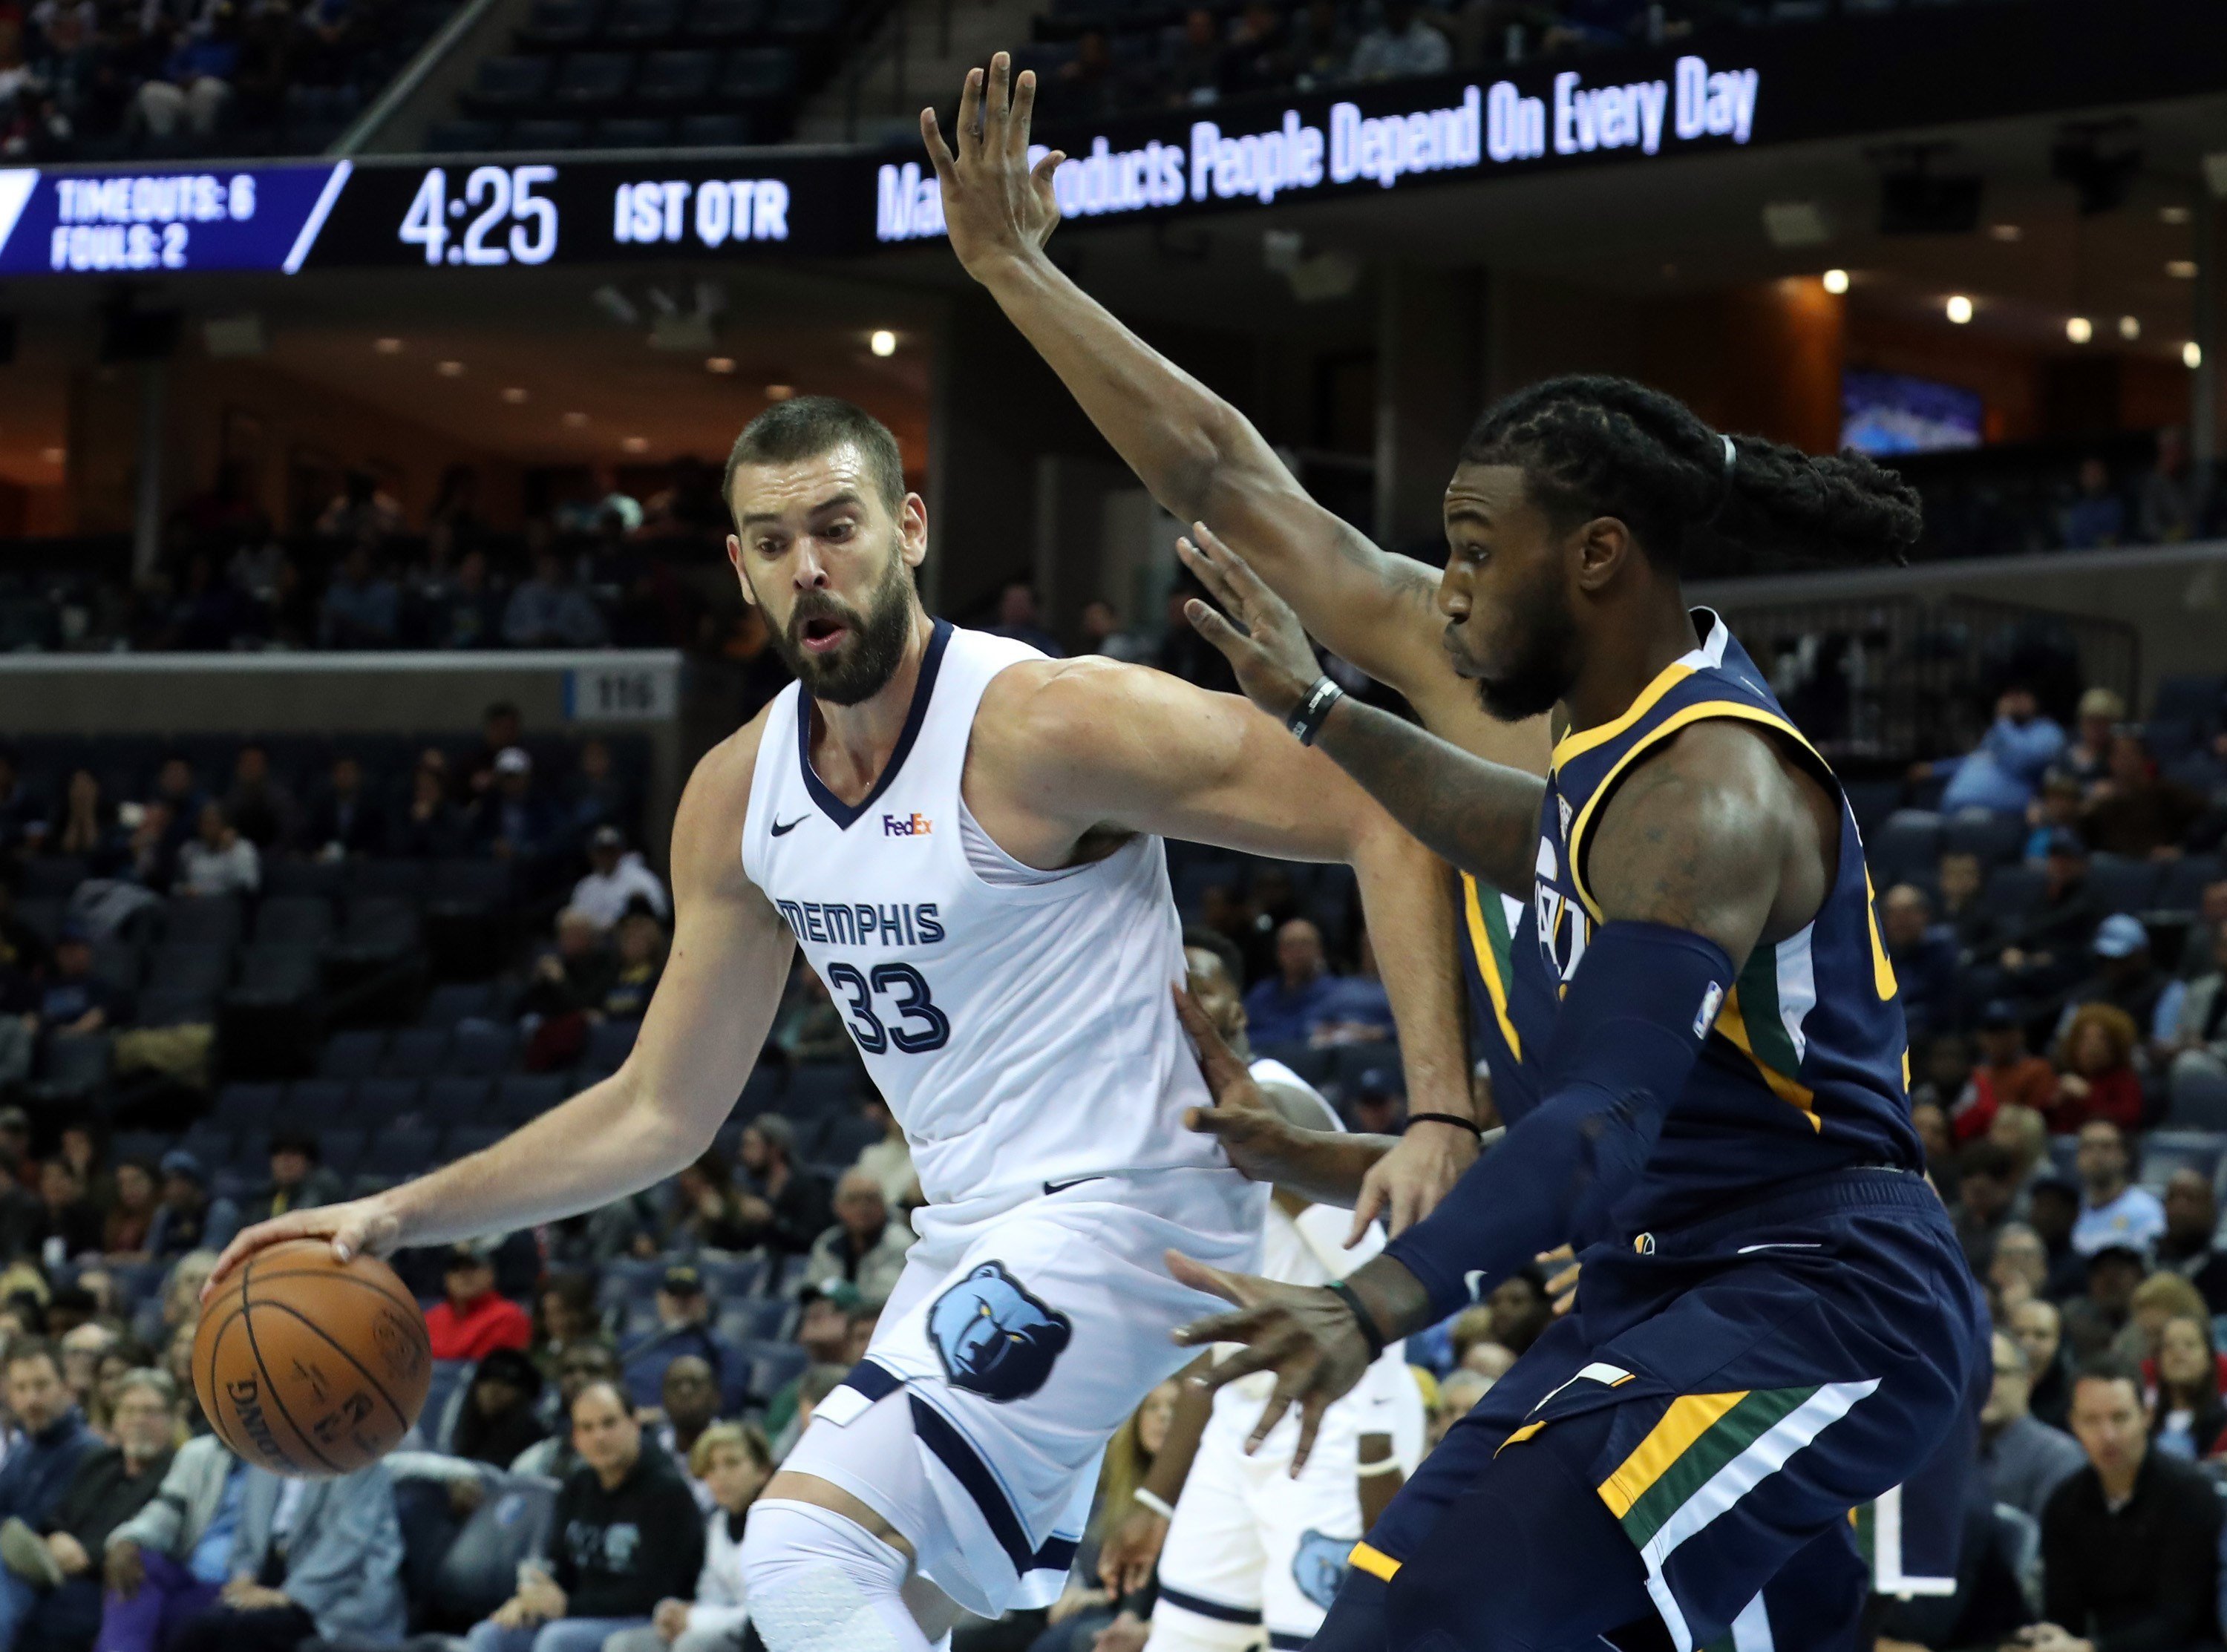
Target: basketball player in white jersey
(1248,1547)
(960,834)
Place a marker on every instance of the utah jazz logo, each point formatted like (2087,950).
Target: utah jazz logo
(1564,929)
(994,1337)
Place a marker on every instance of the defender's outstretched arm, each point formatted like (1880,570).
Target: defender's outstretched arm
(1199,455)
(701,1036)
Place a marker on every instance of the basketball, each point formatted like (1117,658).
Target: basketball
(310,1367)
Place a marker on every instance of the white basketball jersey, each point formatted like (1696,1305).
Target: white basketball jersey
(1023,1032)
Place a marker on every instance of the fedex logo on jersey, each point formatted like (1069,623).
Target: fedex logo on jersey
(861,923)
(915,825)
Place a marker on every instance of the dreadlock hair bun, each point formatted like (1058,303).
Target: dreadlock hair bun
(1593,445)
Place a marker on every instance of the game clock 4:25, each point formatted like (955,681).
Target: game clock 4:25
(498,217)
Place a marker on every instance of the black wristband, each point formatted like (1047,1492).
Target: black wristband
(1351,1299)
(1415,1118)
(1307,721)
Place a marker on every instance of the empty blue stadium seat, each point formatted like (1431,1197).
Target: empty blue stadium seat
(455,1099)
(1993,838)
(478,884)
(53,875)
(352,1054)
(2185,879)
(451,1001)
(588,81)
(466,1139)
(482,1048)
(670,80)
(506,83)
(340,1147)
(212,921)
(190,968)
(1908,844)
(247,1107)
(637,23)
(730,1277)
(387,879)
(609,1043)
(541,133)
(401,1151)
(551,25)
(774,1366)
(2196,699)
(305,919)
(521,1096)
(378,1101)
(418,1052)
(2164,1151)
(2012,890)
(313,1103)
(287,879)
(2119,885)
(378,929)
(719,23)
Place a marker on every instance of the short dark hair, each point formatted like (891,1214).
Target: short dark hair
(804,427)
(1213,941)
(34,1348)
(2108,1368)
(1988,1158)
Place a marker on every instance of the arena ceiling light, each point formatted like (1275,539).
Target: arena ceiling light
(576,420)
(2192,355)
(2181,214)
(779,392)
(387,346)
(719,364)
(1836,281)
(883,343)
(2130,327)
(2079,329)
(1958,308)
(2181,269)
(2005,232)
(636,444)
(1795,223)
(515,395)
(451,369)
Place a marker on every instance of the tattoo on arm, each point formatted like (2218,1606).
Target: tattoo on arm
(1482,817)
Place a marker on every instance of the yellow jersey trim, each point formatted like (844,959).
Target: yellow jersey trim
(1690,1416)
(1573,745)
(1487,963)
(1733,1024)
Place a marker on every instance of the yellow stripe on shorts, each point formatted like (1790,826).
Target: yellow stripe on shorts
(1690,1416)
(1374,1561)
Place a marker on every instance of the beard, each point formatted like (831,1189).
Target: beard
(864,663)
(1546,664)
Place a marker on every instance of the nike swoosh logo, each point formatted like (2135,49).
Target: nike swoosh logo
(780,827)
(1061,1187)
(1782,1245)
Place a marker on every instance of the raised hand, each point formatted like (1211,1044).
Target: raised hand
(1274,662)
(996,206)
(1306,1336)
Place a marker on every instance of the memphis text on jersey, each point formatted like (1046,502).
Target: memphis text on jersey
(861,923)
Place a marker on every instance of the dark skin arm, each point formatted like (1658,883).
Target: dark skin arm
(1717,832)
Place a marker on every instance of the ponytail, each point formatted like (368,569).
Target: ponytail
(1591,445)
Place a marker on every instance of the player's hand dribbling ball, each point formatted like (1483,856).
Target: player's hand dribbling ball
(310,1367)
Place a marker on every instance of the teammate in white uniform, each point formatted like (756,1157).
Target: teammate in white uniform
(1251,1547)
(958,833)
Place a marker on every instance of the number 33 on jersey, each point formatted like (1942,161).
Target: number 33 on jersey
(1016,1020)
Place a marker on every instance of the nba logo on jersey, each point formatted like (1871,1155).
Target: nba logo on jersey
(1706,1016)
(994,1337)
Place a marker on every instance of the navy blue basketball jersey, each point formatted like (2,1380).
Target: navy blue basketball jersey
(1511,1002)
(1806,1068)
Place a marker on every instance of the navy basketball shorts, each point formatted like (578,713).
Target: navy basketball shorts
(1745,1386)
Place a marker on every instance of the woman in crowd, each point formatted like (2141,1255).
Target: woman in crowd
(565,1317)
(2187,1415)
(2097,1079)
(641,961)
(708,1211)
(1084,1610)
(734,1462)
(87,826)
(499,1418)
(131,1212)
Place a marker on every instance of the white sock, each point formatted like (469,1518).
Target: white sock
(818,1581)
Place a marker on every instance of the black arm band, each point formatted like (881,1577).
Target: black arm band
(1351,1299)
(1415,1118)
(1307,721)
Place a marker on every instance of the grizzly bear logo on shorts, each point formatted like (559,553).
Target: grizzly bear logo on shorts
(994,1337)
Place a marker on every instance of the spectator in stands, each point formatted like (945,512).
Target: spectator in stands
(2053,1207)
(2008,1075)
(550,611)
(465,611)
(1379,1104)
(2169,504)
(1322,45)
(472,1319)
(166,1564)
(2096,515)
(789,1207)
(362,608)
(684,1327)
(23,816)
(823,1331)
(499,1419)
(512,821)
(86,827)
(196,84)
(616,879)
(2025,1133)
(318,1558)
(595,1581)
(2018,1269)
(2187,1245)
(2187,1416)
(1285,1008)
(734,1461)
(1403,44)
(1999,775)
(2112,1211)
(346,819)
(501,727)
(188,1219)
(298,1181)
(578,1367)
(889,1158)
(219,859)
(864,1249)
(259,804)
(2023,1458)
(429,826)
(2130,1544)
(2094,1320)
(1924,961)
(2056,807)
(2197,1052)
(639,963)
(1087,85)
(2136,812)
(1019,619)
(1192,71)
(809,1027)
(73,1001)
(127,1230)
(2087,759)
(1259,55)
(2199,953)
(50,1594)
(1958,880)
(52,1440)
(2038,1327)
(688,1400)
(2099,1082)
(597,794)
(1986,1185)
(566,1317)
(67,1222)
(708,1207)
(361,514)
